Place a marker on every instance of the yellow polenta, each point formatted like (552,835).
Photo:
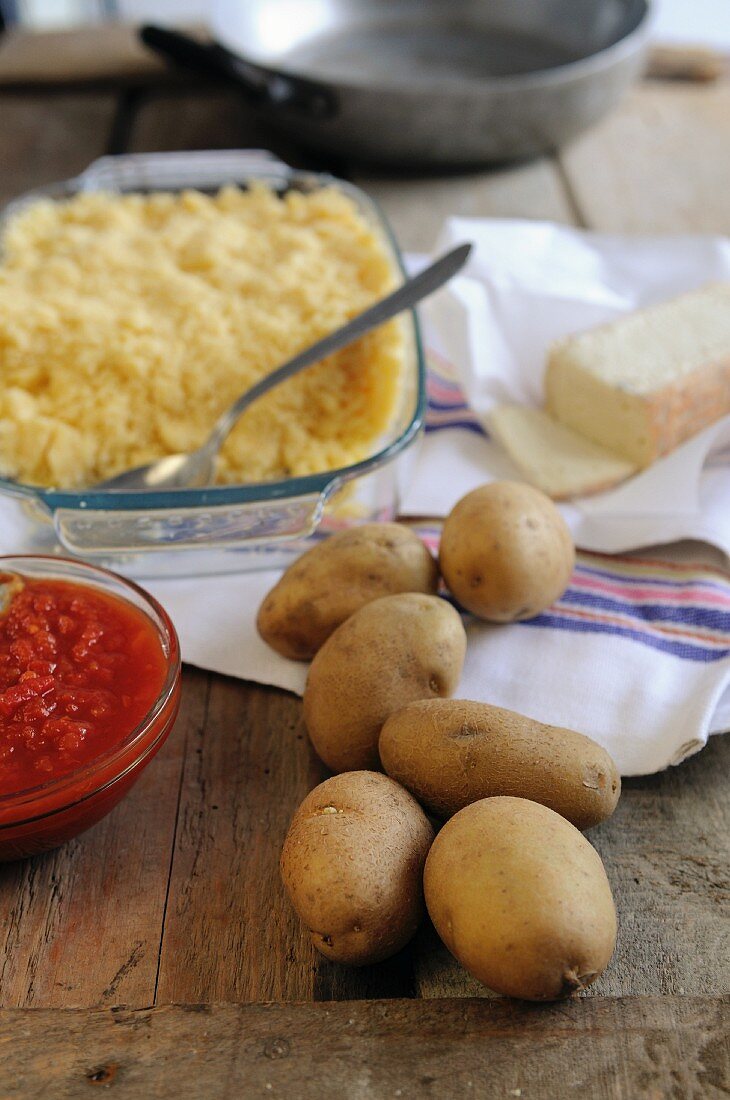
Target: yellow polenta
(127,323)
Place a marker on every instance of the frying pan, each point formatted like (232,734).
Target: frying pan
(422,83)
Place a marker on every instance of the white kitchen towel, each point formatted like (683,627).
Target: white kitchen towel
(636,653)
(528,283)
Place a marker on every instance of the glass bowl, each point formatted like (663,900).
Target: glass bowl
(228,528)
(45,816)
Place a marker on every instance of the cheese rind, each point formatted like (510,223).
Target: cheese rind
(643,384)
(554,458)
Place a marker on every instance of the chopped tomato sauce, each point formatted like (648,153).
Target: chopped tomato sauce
(79,670)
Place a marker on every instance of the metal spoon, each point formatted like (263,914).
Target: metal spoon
(183,470)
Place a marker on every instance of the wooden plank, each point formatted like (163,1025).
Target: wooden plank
(192,120)
(665,852)
(417,207)
(667,857)
(660,163)
(671,61)
(112,53)
(230,933)
(213,119)
(626,1049)
(104,54)
(395,977)
(50,138)
(82,925)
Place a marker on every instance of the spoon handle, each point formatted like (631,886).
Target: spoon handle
(406,296)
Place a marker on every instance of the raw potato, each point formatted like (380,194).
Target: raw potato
(352,864)
(521,899)
(450,752)
(337,577)
(506,552)
(387,654)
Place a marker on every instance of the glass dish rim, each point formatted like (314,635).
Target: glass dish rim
(28,797)
(262,492)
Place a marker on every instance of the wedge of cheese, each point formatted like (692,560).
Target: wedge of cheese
(554,458)
(643,384)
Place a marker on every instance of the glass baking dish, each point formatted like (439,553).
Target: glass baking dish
(229,528)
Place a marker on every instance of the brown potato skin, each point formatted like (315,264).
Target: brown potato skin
(352,865)
(334,579)
(521,899)
(451,752)
(387,654)
(506,552)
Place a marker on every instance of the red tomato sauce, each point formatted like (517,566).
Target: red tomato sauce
(79,670)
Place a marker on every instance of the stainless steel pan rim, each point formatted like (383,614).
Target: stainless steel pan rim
(597,61)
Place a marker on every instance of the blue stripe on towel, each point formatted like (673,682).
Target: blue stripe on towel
(467,425)
(686,650)
(690,615)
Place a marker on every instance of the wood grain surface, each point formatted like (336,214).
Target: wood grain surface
(46,139)
(175,897)
(107,54)
(642,1048)
(660,163)
(418,207)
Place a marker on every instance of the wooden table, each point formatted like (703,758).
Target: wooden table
(156,955)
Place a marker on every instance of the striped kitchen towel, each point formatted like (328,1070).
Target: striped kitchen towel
(636,653)
(675,608)
(447,406)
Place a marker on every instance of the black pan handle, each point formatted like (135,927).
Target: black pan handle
(264,87)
